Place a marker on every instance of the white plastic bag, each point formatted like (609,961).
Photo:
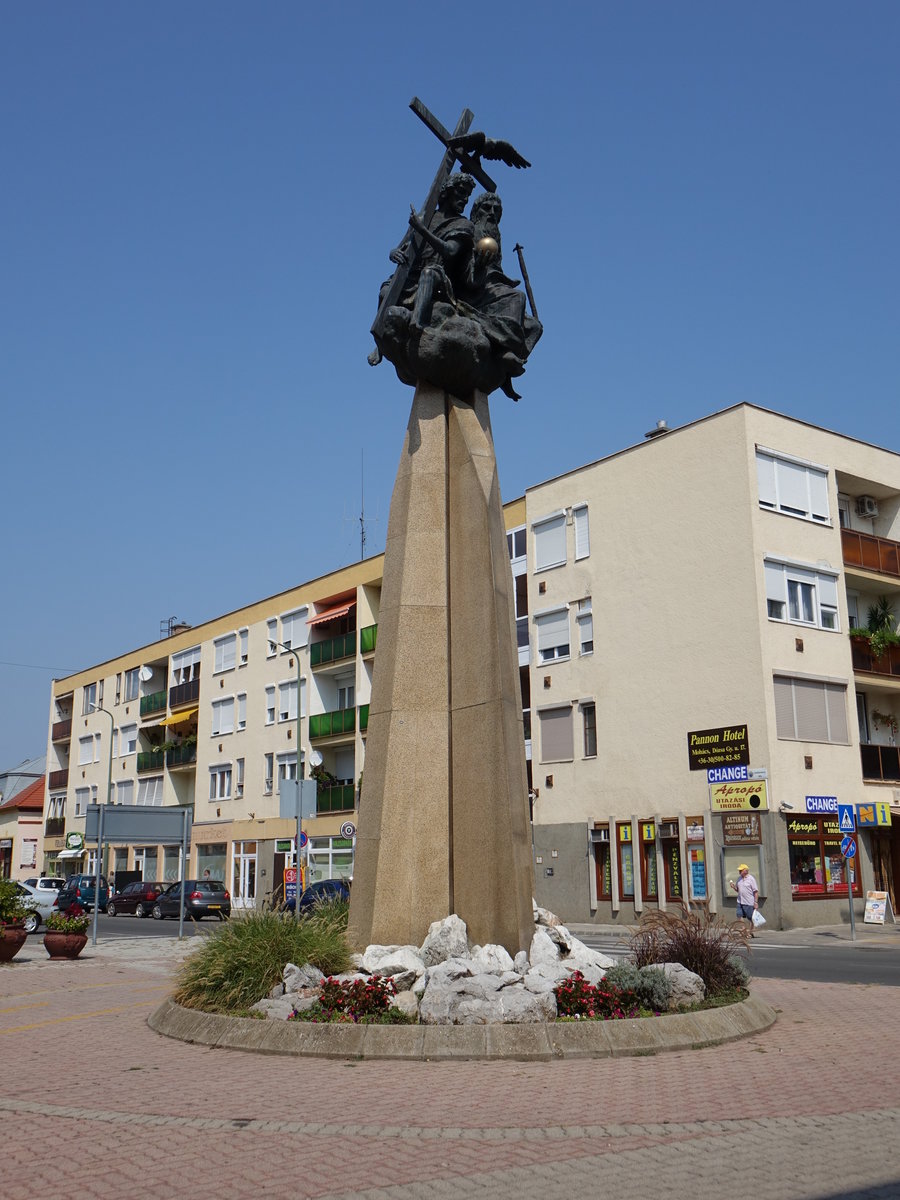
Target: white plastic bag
(758,919)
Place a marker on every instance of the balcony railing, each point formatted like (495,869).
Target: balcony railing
(333,649)
(151,760)
(181,756)
(329,724)
(870,552)
(153,704)
(336,799)
(363,718)
(880,762)
(865,660)
(55,827)
(58,779)
(184,693)
(61,730)
(367,639)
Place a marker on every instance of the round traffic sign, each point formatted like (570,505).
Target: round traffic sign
(304,839)
(848,847)
(348,829)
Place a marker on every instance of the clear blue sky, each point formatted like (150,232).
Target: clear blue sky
(198,200)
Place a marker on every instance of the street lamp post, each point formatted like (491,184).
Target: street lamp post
(300,767)
(112,727)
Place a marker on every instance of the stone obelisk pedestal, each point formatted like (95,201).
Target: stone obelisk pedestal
(443,820)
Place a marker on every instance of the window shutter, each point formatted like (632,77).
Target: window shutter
(812,723)
(818,494)
(776,584)
(550,543)
(785,725)
(242,710)
(828,590)
(582,533)
(793,490)
(836,707)
(765,475)
(553,629)
(557,735)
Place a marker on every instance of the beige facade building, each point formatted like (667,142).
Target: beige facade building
(704,582)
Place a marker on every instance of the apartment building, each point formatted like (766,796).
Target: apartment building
(208,717)
(691,600)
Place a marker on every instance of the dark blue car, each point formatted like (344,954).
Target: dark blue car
(320,893)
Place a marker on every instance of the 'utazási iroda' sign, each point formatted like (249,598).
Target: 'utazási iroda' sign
(718,747)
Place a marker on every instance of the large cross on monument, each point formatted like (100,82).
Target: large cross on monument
(443,822)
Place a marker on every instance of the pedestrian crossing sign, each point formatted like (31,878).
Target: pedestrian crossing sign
(846,819)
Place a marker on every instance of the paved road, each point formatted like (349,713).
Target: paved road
(806,1111)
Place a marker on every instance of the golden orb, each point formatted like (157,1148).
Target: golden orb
(487,245)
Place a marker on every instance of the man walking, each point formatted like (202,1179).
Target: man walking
(747,893)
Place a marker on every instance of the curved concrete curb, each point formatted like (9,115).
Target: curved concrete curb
(540,1043)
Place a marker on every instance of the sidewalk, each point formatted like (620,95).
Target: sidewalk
(805,1111)
(887,934)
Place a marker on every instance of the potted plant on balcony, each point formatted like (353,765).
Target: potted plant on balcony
(889,721)
(66,934)
(880,630)
(12,921)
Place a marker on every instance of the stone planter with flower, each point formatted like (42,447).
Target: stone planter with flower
(12,921)
(66,934)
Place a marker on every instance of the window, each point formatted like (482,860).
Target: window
(150,791)
(90,699)
(293,629)
(602,862)
(552,635)
(242,711)
(245,647)
(57,807)
(185,666)
(585,621)
(550,542)
(239,777)
(226,652)
(132,684)
(270,705)
(516,543)
(269,768)
(287,768)
(589,723)
(118,688)
(271,637)
(287,701)
(128,739)
(85,750)
(82,800)
(223,716)
(520,599)
(582,531)
(810,710)
(346,691)
(792,486)
(125,791)
(816,863)
(557,738)
(220,782)
(801,595)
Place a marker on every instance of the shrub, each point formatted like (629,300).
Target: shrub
(73,920)
(243,960)
(651,985)
(575,997)
(703,943)
(363,1001)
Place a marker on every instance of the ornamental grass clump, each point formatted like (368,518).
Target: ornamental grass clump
(243,960)
(703,943)
(356,1001)
(580,1000)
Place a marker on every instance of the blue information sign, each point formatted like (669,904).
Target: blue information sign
(848,847)
(846,818)
(736,774)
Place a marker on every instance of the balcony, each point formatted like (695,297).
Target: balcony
(61,731)
(864,660)
(363,718)
(151,760)
(55,827)
(150,705)
(870,552)
(880,762)
(333,649)
(331,724)
(339,798)
(367,639)
(185,693)
(181,756)
(58,779)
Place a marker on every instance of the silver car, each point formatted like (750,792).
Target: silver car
(39,903)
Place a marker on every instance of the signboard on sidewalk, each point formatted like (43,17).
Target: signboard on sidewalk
(876,907)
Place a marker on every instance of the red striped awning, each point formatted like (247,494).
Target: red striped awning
(331,614)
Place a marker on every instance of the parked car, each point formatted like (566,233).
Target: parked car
(38,903)
(79,889)
(137,898)
(202,898)
(320,893)
(46,883)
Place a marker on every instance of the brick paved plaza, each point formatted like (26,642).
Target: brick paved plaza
(92,1099)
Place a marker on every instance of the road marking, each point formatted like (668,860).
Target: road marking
(22,1007)
(100,1012)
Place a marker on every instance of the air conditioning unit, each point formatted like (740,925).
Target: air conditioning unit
(600,835)
(268,787)
(866,506)
(668,829)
